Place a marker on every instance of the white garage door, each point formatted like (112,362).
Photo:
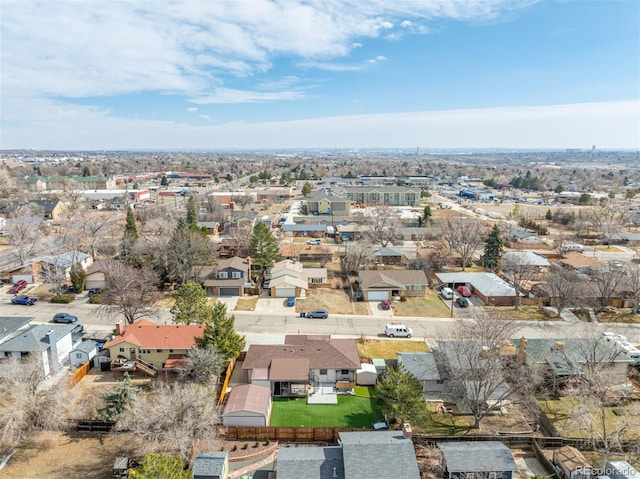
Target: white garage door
(378,295)
(246,421)
(285,292)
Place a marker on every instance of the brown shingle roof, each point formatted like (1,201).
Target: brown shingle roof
(322,352)
(397,277)
(289,369)
(248,397)
(236,262)
(577,260)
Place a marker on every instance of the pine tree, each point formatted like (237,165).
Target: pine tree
(220,333)
(399,395)
(130,238)
(78,277)
(425,219)
(264,246)
(306,189)
(192,213)
(164,181)
(118,400)
(86,172)
(190,304)
(493,249)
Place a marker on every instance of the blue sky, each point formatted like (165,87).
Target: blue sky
(216,74)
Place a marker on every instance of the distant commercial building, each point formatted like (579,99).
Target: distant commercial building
(383,195)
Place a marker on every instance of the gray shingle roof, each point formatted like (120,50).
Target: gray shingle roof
(86,346)
(488,284)
(464,456)
(310,463)
(302,227)
(209,463)
(65,260)
(9,326)
(379,454)
(421,365)
(34,339)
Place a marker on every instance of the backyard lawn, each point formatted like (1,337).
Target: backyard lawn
(429,306)
(351,411)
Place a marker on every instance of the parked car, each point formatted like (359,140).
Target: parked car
(64,318)
(316,241)
(385,304)
(291,301)
(24,300)
(18,286)
(397,329)
(318,313)
(462,302)
(464,291)
(78,328)
(94,291)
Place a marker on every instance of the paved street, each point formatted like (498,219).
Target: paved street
(280,323)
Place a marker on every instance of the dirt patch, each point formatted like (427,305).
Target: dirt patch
(246,304)
(389,349)
(616,315)
(429,306)
(333,300)
(524,313)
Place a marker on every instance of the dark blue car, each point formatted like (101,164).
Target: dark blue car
(291,301)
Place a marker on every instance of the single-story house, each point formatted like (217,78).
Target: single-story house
(291,278)
(248,405)
(425,369)
(359,455)
(367,375)
(307,253)
(349,232)
(316,277)
(524,236)
(421,233)
(622,238)
(464,459)
(63,263)
(306,230)
(212,227)
(489,287)
(388,255)
(231,277)
(302,361)
(50,344)
(161,346)
(227,248)
(525,260)
(83,352)
(211,465)
(581,263)
(377,285)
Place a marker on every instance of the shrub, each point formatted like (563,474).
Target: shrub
(403,299)
(257,444)
(235,447)
(245,446)
(267,442)
(95,299)
(62,298)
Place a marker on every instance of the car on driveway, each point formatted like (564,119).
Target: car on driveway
(18,286)
(64,318)
(462,302)
(94,291)
(24,300)
(78,328)
(464,291)
(318,313)
(291,301)
(385,304)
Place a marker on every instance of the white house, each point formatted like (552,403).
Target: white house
(65,261)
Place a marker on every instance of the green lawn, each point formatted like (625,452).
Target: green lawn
(350,411)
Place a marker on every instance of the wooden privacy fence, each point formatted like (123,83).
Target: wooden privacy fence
(287,434)
(79,374)
(227,378)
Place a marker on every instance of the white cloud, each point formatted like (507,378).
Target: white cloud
(205,117)
(229,95)
(46,124)
(192,109)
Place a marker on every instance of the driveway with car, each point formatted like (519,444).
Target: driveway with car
(272,305)
(378,310)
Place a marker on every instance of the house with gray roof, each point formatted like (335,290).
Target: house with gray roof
(489,287)
(486,459)
(312,230)
(50,344)
(211,465)
(83,352)
(382,195)
(10,325)
(59,266)
(387,255)
(529,259)
(359,455)
(325,202)
(425,369)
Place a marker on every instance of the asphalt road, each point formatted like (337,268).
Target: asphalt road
(251,322)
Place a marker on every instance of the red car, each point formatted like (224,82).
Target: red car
(385,304)
(18,286)
(464,291)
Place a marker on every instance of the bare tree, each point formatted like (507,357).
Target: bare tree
(463,235)
(519,272)
(607,282)
(203,365)
(129,291)
(325,255)
(632,282)
(473,360)
(26,408)
(355,257)
(97,232)
(564,286)
(383,226)
(172,418)
(25,234)
(609,218)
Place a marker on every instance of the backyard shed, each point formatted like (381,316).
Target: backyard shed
(487,458)
(367,375)
(83,352)
(380,364)
(248,405)
(571,463)
(211,465)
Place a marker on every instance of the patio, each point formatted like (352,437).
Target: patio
(323,394)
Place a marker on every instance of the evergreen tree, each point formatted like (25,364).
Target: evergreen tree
(425,219)
(399,395)
(306,189)
(264,246)
(192,213)
(85,171)
(78,277)
(219,333)
(159,466)
(190,304)
(130,238)
(118,400)
(493,249)
(164,181)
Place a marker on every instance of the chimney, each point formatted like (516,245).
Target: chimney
(406,430)
(120,327)
(50,337)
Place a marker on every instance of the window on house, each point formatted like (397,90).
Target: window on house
(78,355)
(316,280)
(24,355)
(236,274)
(223,275)
(344,371)
(158,350)
(417,287)
(439,381)
(323,372)
(121,350)
(171,350)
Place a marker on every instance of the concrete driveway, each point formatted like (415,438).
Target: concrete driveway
(274,305)
(376,309)
(229,301)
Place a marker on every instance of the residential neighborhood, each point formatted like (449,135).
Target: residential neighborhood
(276,316)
